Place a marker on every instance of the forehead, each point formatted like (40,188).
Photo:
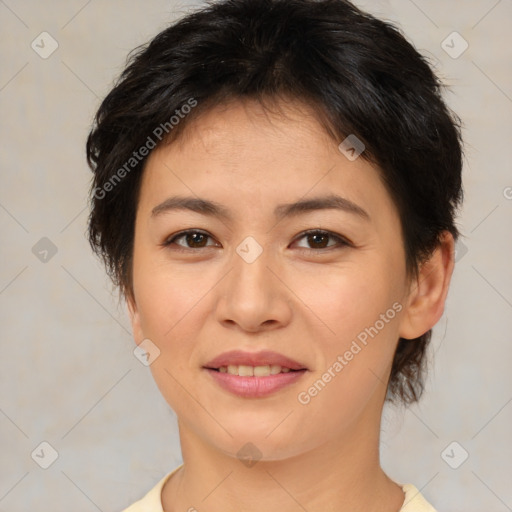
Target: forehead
(244,154)
(229,124)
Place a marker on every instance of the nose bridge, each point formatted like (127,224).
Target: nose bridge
(251,293)
(250,280)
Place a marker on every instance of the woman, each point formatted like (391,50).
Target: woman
(275,185)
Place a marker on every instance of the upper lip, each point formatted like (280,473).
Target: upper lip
(263,358)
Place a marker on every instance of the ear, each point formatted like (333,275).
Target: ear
(134,318)
(427,295)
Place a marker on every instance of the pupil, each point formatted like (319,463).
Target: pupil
(192,238)
(312,237)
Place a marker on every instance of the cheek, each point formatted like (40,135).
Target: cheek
(167,296)
(359,311)
(356,350)
(169,304)
(346,300)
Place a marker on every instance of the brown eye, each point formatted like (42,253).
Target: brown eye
(196,239)
(191,239)
(317,239)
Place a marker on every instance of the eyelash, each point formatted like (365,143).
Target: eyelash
(342,241)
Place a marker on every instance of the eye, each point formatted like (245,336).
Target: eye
(192,239)
(319,239)
(196,239)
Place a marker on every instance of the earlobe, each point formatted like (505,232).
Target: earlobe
(425,304)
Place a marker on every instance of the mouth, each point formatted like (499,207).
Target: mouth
(259,364)
(254,375)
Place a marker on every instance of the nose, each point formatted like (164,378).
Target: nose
(253,297)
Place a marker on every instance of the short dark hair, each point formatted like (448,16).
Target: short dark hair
(360,74)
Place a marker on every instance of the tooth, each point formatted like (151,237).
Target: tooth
(275,369)
(232,369)
(253,371)
(245,371)
(261,371)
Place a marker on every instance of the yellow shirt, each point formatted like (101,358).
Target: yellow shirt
(152,501)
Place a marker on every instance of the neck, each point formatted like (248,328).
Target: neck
(341,474)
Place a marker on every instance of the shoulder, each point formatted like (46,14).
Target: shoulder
(414,500)
(152,500)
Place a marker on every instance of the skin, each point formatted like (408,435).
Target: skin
(297,298)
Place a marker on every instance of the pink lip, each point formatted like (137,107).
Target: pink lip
(263,358)
(254,387)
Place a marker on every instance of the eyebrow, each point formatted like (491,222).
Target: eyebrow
(213,209)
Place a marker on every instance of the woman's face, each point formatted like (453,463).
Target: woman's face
(251,280)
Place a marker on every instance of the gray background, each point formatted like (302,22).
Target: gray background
(68,375)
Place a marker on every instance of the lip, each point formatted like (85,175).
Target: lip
(263,358)
(254,387)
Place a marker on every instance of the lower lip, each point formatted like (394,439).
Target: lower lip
(255,387)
